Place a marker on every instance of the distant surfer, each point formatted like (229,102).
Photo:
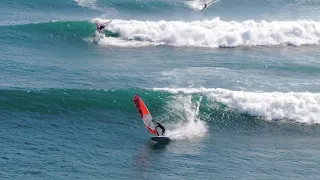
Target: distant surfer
(205,6)
(158,125)
(100,27)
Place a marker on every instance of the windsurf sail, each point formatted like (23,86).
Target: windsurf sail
(145,115)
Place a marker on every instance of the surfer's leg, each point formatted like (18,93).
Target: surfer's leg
(163,130)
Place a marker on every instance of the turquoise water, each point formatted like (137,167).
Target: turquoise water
(236,86)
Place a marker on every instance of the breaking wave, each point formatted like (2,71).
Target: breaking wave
(183,105)
(303,107)
(217,33)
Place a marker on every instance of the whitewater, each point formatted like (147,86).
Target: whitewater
(298,106)
(215,33)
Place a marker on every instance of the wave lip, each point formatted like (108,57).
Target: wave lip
(217,33)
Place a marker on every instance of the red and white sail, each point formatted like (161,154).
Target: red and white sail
(145,114)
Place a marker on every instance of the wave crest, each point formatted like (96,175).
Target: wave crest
(303,107)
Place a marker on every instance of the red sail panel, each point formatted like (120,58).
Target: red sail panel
(136,100)
(144,114)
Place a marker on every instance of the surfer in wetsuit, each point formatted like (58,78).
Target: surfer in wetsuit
(100,27)
(205,6)
(160,126)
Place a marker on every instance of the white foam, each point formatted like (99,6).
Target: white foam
(302,107)
(111,41)
(189,126)
(119,41)
(217,33)
(87,3)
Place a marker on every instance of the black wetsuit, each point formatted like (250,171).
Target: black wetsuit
(161,127)
(205,6)
(100,28)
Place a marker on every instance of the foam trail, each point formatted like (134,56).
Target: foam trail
(97,37)
(111,41)
(302,107)
(189,127)
(217,33)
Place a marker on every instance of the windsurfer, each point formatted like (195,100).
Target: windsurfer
(158,125)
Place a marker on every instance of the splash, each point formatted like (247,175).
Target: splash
(97,37)
(111,41)
(189,126)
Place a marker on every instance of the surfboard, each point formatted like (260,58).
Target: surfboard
(161,139)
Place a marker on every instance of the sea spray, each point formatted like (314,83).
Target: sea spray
(189,125)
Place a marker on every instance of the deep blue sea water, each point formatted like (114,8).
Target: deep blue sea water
(237,86)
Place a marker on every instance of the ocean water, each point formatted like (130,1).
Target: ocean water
(237,87)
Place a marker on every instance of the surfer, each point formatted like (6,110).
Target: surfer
(205,6)
(158,125)
(100,27)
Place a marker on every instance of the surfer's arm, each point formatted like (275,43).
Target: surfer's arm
(162,128)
